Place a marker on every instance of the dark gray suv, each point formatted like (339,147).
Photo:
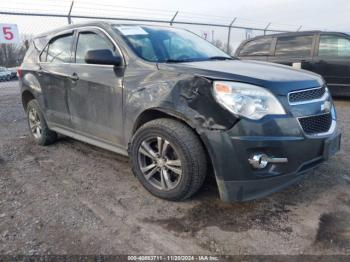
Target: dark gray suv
(179,107)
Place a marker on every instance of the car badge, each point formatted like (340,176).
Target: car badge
(326,107)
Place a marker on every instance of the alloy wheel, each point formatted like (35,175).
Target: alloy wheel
(35,123)
(160,163)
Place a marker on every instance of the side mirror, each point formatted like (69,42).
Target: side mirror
(102,57)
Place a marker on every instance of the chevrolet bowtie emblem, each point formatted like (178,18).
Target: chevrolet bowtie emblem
(326,107)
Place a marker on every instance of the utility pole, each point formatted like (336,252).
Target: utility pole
(172,20)
(268,25)
(229,34)
(69,13)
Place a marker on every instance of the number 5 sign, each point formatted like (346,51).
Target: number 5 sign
(9,34)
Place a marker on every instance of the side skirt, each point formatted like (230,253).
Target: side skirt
(89,140)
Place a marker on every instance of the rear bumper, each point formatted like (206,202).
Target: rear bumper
(238,180)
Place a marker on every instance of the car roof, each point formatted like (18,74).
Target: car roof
(297,33)
(72,26)
(93,23)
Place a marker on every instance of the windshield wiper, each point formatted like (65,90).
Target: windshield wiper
(178,60)
(220,58)
(198,60)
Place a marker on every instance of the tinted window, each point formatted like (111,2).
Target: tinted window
(39,43)
(34,50)
(59,50)
(331,45)
(91,41)
(294,46)
(256,47)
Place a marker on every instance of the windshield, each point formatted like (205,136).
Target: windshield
(163,44)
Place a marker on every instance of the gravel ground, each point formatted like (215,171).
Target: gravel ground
(73,198)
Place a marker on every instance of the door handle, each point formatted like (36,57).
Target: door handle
(74,77)
(41,71)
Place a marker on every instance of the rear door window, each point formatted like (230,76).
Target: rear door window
(258,47)
(59,50)
(294,46)
(334,46)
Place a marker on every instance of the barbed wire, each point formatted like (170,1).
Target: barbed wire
(80,7)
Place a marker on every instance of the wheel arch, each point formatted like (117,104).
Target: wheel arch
(156,113)
(27,96)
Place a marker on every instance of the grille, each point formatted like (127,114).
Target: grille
(316,124)
(306,95)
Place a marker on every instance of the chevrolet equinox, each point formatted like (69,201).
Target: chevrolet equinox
(179,107)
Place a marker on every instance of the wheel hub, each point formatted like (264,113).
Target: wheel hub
(161,162)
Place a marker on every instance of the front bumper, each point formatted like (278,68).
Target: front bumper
(279,137)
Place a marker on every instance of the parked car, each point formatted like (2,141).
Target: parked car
(325,53)
(179,107)
(13,72)
(5,75)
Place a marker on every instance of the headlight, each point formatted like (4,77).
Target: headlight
(246,100)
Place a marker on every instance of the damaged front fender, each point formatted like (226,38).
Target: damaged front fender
(188,98)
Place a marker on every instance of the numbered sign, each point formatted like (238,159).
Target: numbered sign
(9,34)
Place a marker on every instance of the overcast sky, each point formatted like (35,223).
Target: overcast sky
(330,14)
(283,14)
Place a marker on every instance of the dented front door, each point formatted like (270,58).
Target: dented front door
(95,99)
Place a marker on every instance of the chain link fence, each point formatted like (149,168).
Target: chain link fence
(224,32)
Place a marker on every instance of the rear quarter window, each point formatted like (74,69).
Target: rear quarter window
(294,46)
(35,47)
(258,47)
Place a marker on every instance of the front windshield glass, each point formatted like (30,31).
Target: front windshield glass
(163,44)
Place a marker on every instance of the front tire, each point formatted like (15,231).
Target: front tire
(168,159)
(38,128)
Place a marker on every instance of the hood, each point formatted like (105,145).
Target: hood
(277,78)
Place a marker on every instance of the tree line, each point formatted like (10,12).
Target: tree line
(11,55)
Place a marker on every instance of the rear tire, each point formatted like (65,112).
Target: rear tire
(168,159)
(38,128)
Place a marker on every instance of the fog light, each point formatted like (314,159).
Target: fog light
(260,161)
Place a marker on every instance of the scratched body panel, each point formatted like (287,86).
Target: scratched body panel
(106,104)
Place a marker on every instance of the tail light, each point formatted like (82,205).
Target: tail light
(19,72)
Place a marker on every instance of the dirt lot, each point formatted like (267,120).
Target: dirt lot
(72,198)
